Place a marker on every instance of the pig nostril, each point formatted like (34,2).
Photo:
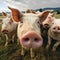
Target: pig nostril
(53,28)
(26,39)
(36,40)
(58,28)
(46,24)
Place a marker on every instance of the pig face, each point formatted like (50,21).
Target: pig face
(8,25)
(28,30)
(54,31)
(49,21)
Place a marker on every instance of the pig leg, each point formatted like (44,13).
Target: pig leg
(22,51)
(31,53)
(55,46)
(13,38)
(49,42)
(6,40)
(18,42)
(0,36)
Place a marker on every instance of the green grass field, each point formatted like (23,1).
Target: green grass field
(58,16)
(12,51)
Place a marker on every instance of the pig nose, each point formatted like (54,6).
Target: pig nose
(56,29)
(31,40)
(46,25)
(4,31)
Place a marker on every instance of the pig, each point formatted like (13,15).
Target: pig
(0,21)
(53,26)
(45,25)
(54,32)
(30,11)
(49,20)
(0,27)
(28,31)
(8,28)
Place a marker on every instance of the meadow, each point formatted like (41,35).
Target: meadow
(12,51)
(58,16)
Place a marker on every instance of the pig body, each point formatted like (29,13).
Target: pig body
(9,29)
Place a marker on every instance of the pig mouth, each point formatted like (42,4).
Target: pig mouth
(56,32)
(31,40)
(5,31)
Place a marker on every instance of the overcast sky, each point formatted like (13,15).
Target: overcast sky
(25,4)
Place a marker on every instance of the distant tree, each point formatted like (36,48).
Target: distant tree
(0,14)
(58,12)
(40,10)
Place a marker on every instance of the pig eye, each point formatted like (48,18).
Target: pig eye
(21,21)
(38,24)
(54,28)
(52,23)
(9,22)
(2,23)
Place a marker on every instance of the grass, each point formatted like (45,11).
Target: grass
(2,17)
(12,52)
(58,16)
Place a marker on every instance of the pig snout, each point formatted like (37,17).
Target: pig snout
(56,29)
(5,31)
(31,40)
(46,26)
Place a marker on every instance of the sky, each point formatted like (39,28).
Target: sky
(27,4)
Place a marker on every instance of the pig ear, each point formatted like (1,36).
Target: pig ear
(44,15)
(16,15)
(30,11)
(53,14)
(33,11)
(4,14)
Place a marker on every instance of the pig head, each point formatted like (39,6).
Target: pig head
(47,23)
(54,30)
(28,30)
(8,25)
(8,28)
